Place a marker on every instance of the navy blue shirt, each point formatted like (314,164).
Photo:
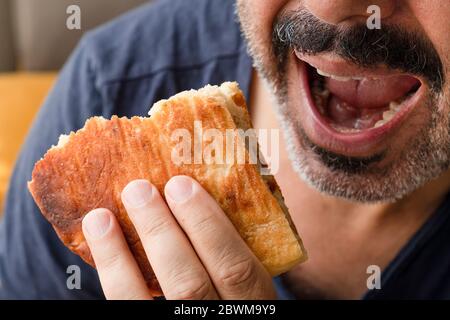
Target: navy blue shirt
(122,68)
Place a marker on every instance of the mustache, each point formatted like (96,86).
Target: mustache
(391,46)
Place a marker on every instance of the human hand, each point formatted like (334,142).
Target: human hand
(193,248)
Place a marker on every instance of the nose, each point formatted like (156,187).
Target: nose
(339,11)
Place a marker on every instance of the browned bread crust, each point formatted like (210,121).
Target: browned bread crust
(90,168)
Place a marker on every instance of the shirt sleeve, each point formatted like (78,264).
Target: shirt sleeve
(34,264)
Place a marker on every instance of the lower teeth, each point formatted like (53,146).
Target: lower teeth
(321,99)
(394,107)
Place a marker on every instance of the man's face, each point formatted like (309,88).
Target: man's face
(374,125)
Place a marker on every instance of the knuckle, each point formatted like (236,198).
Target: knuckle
(198,220)
(155,226)
(239,274)
(109,262)
(202,225)
(198,288)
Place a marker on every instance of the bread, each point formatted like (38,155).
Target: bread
(90,168)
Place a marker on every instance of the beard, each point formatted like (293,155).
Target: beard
(383,177)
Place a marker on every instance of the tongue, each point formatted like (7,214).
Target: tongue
(371,93)
(345,115)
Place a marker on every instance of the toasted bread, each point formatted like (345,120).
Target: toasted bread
(90,168)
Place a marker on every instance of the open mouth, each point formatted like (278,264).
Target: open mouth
(357,103)
(353,107)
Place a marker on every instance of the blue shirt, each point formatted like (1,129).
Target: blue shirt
(122,68)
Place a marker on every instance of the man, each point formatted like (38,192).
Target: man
(364,163)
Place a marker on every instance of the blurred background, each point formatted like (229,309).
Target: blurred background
(34,44)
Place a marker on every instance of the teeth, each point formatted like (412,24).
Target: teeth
(380,123)
(388,115)
(341,78)
(338,78)
(321,96)
(323,73)
(394,106)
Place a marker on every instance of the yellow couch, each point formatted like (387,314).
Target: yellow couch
(21,95)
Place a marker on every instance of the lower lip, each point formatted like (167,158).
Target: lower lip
(360,143)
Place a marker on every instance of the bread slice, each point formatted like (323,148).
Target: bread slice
(90,168)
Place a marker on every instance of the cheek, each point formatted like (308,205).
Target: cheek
(433,18)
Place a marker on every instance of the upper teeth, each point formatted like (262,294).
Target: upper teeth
(338,78)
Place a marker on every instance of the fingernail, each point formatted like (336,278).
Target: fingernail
(97,223)
(179,188)
(137,193)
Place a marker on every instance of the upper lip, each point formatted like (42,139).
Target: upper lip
(338,67)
